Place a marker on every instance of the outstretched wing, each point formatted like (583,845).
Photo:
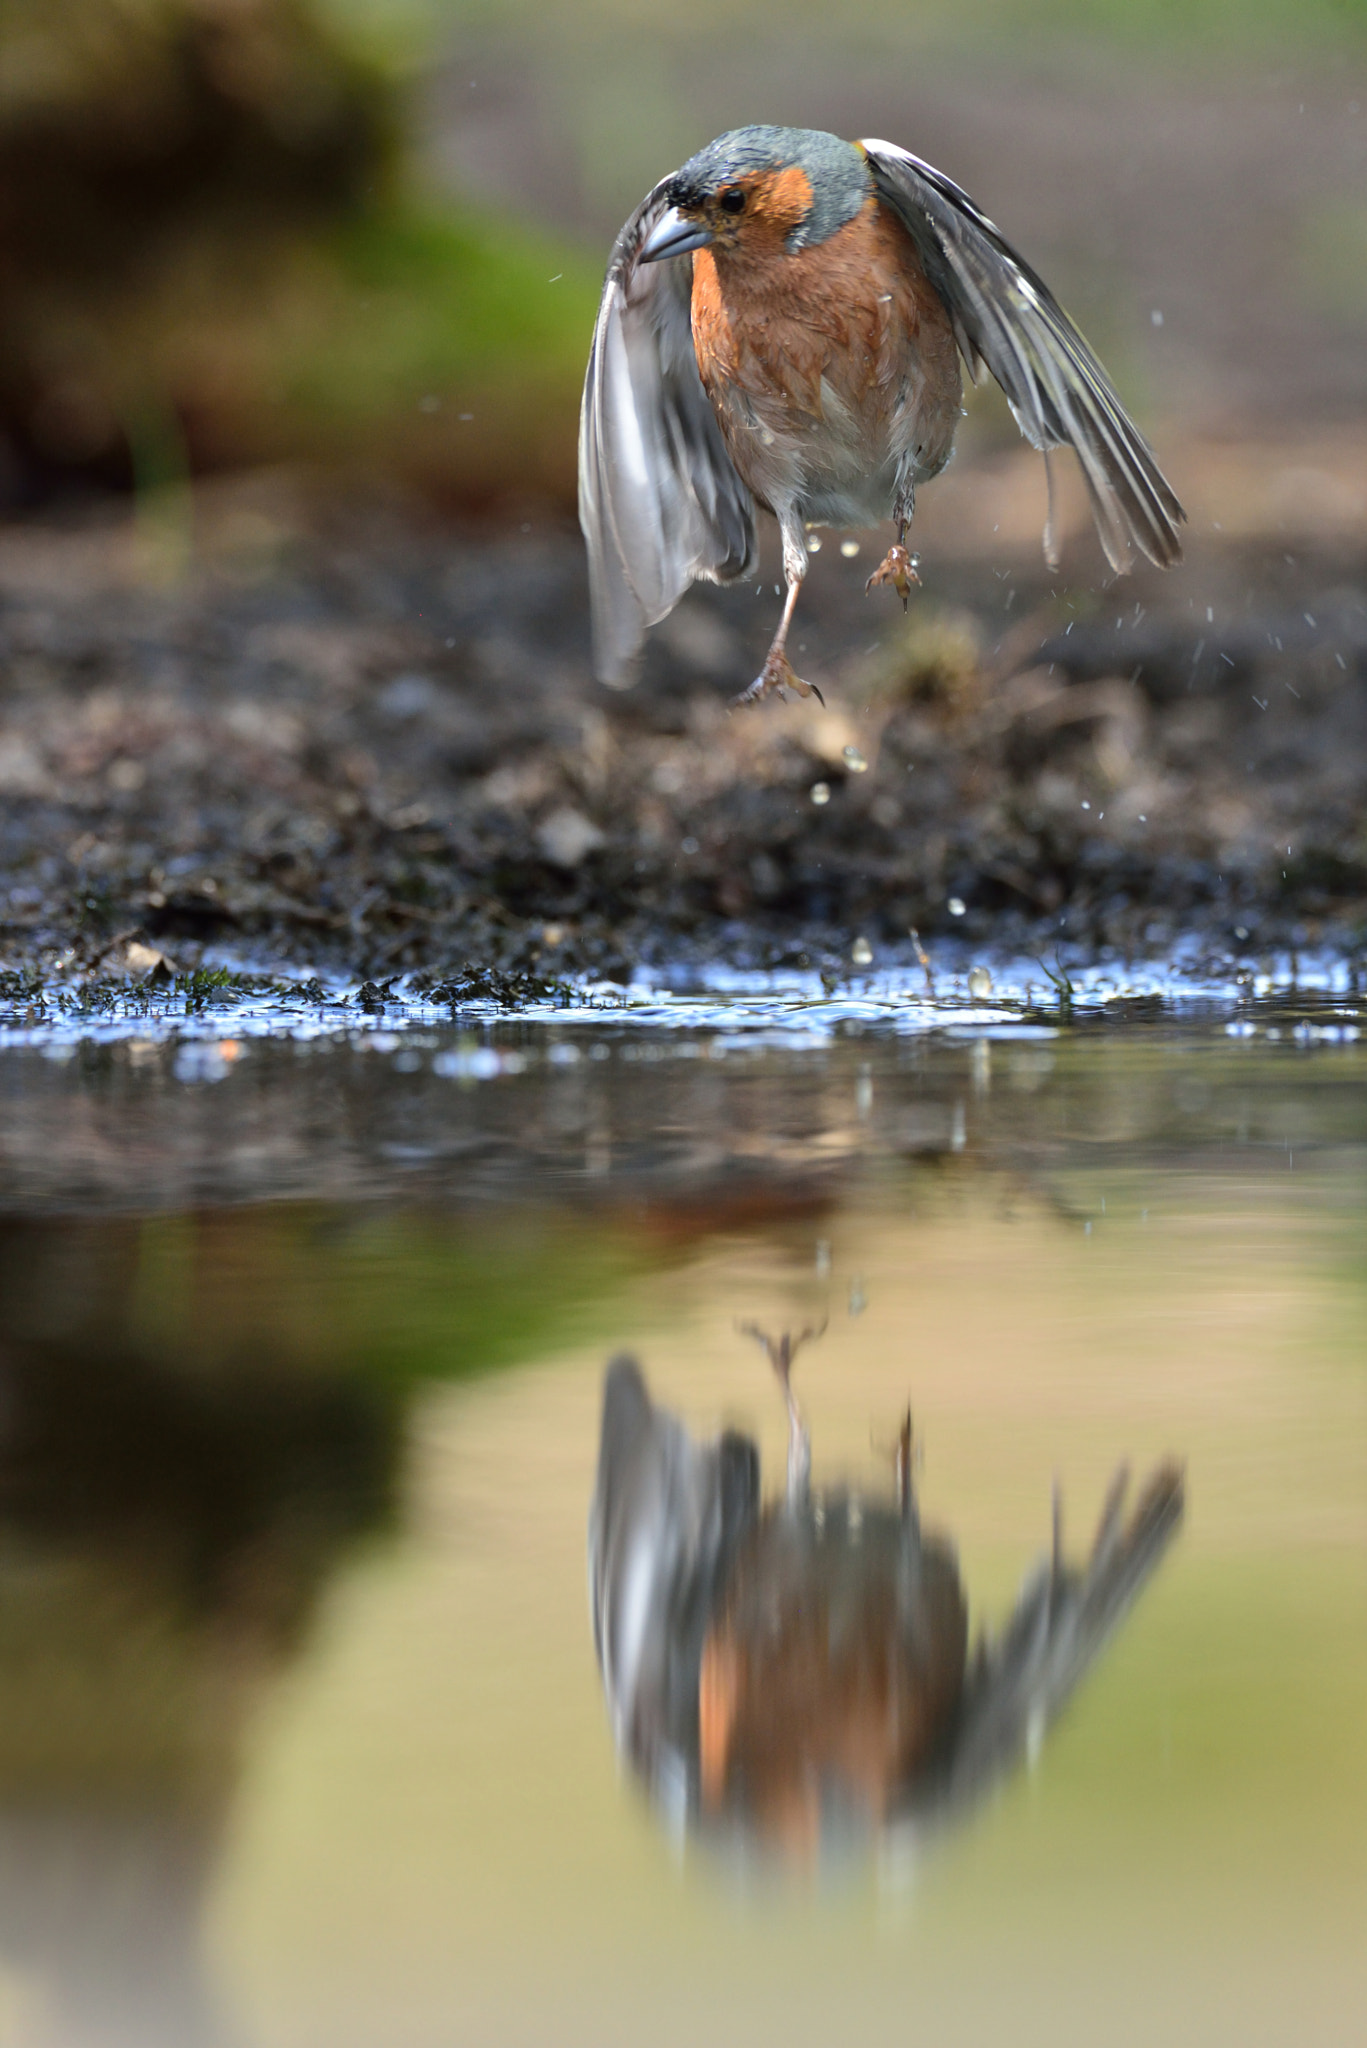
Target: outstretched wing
(668,1517)
(1005,316)
(1019,1682)
(660,501)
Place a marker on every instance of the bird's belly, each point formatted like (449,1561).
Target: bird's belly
(851,462)
(840,463)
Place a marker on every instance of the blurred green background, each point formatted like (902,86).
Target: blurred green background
(372,231)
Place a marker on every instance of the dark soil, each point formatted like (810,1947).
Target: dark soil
(343,735)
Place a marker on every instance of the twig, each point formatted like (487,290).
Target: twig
(923,961)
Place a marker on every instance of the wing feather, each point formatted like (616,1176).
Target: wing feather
(660,501)
(1005,316)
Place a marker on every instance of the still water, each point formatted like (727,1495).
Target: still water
(302,1341)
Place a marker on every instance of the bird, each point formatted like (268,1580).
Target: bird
(796,1677)
(781,326)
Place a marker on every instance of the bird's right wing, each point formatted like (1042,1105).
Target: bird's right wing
(668,1516)
(660,500)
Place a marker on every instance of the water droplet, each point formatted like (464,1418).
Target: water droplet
(813,543)
(861,952)
(956,906)
(979,982)
(859,1300)
(820,792)
(823,1258)
(854,760)
(849,549)
(1156,317)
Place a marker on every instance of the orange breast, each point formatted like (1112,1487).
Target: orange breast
(856,309)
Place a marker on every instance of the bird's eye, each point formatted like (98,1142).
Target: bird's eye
(732,200)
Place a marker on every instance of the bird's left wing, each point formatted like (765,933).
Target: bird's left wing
(660,501)
(1019,1682)
(1005,316)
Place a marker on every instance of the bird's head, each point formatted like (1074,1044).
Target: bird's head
(760,190)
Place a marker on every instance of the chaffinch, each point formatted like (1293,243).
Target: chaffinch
(799,1673)
(781,326)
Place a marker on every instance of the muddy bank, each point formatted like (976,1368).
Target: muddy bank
(279,728)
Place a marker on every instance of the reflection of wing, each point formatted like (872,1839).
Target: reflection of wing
(667,1517)
(1017,1685)
(660,501)
(1005,316)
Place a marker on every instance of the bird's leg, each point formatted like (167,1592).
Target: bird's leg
(781,1355)
(777,672)
(906,1481)
(897,566)
(799,1442)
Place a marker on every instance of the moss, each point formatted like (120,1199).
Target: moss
(211,259)
(935,658)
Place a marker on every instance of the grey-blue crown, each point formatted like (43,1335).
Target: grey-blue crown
(835,169)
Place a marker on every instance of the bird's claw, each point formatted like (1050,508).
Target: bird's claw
(897,568)
(777,674)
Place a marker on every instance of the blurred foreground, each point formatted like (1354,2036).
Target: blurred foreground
(301,1736)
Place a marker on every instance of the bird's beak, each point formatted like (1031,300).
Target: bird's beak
(673,235)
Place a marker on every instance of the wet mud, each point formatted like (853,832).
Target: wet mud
(279,726)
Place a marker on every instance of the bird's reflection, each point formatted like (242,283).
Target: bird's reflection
(798,1675)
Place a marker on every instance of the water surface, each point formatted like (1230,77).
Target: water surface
(301,1733)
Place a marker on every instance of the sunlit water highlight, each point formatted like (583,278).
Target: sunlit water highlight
(793,1007)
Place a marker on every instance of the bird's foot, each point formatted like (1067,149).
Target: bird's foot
(897,568)
(777,675)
